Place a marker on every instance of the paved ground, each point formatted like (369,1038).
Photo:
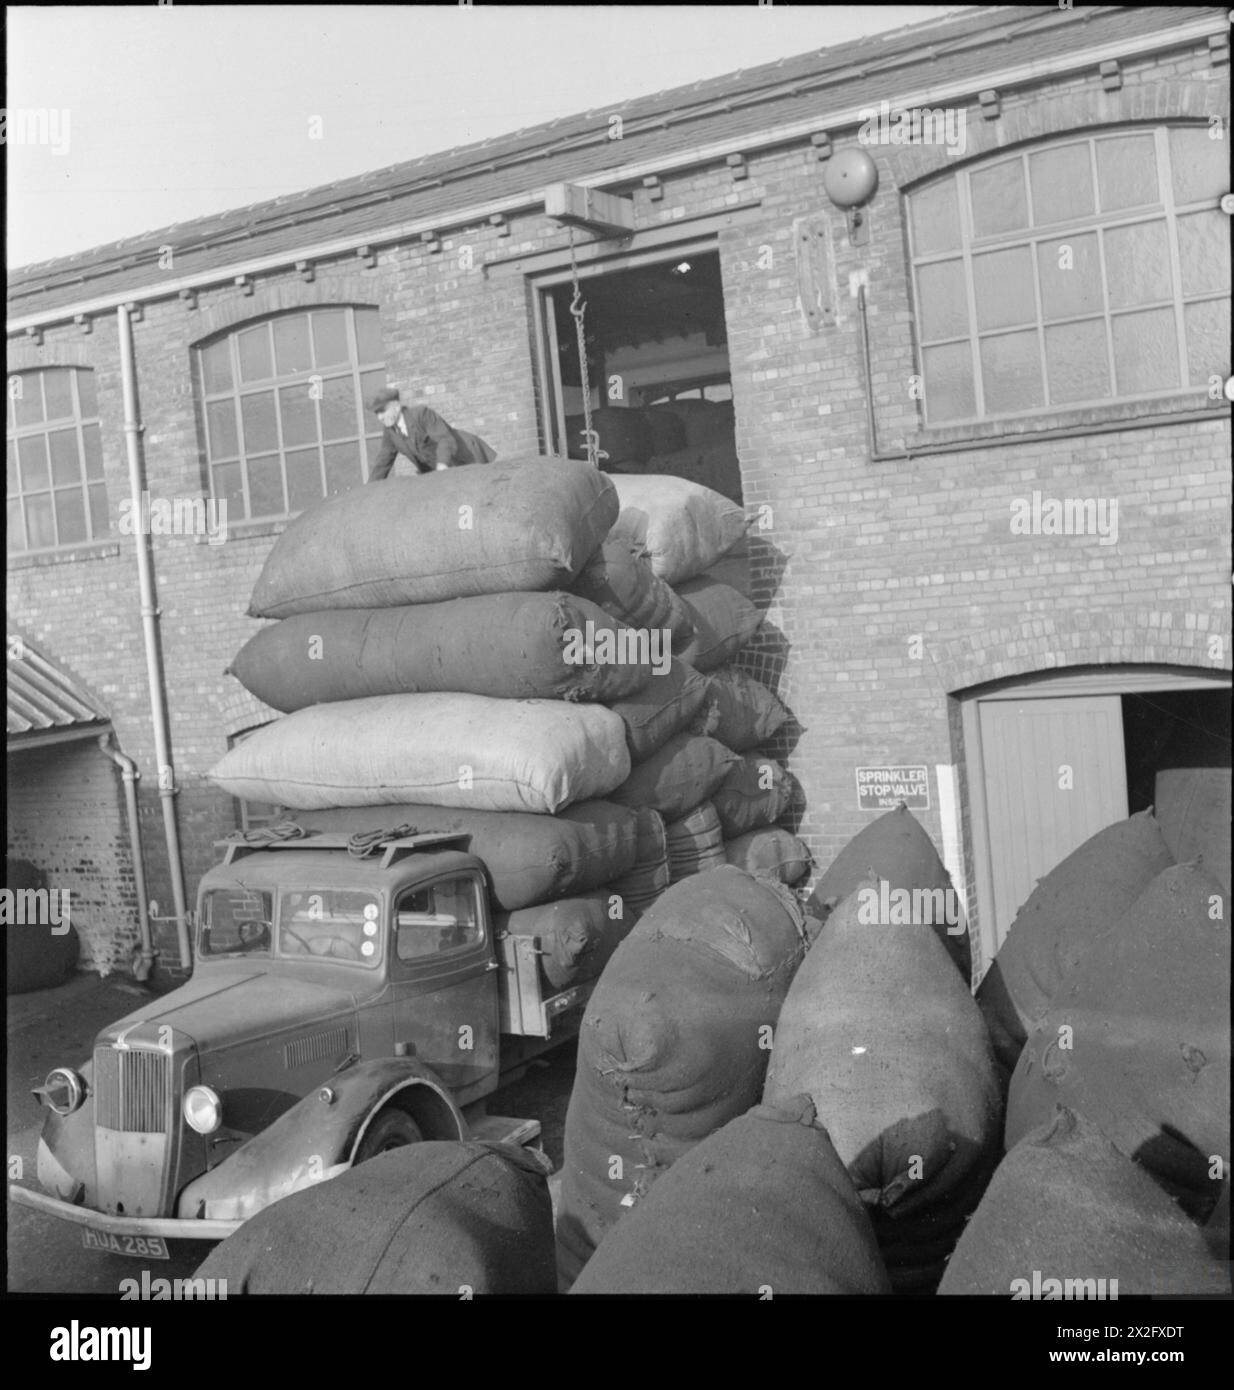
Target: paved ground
(57,1027)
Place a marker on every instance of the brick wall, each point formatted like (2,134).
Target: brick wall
(65,814)
(889,585)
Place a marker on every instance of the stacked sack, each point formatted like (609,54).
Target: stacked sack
(1110,1000)
(674,1044)
(881,1031)
(692,740)
(432,668)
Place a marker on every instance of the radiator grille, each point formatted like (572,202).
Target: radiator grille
(315,1048)
(131,1089)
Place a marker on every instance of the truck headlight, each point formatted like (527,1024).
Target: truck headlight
(63,1091)
(203,1111)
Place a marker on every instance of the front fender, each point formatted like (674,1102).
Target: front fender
(66,1149)
(317,1138)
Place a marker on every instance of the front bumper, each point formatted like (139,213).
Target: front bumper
(169,1227)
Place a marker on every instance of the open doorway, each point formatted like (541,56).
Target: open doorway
(658,369)
(1055,757)
(1165,729)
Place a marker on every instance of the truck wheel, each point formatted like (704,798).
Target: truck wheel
(390,1130)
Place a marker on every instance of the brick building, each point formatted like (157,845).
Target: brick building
(1032,308)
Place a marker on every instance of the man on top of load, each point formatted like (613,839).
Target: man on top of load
(422,436)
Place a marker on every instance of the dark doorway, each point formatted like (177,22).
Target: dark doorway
(658,371)
(1172,728)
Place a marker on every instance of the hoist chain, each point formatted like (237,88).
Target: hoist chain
(578,308)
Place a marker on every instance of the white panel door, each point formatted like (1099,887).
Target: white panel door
(1055,774)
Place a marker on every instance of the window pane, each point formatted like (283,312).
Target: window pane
(33,454)
(1003,288)
(228,487)
(299,412)
(291,345)
(65,460)
(1204,252)
(1062,183)
(1200,165)
(100,514)
(221,424)
(1127,172)
(303,479)
(254,348)
(368,335)
(1208,340)
(16,538)
(266,486)
(1076,289)
(330,337)
(39,529)
(935,218)
(10,467)
(342,467)
(1145,352)
(71,516)
(94,451)
(948,383)
(260,426)
(87,396)
(1011,373)
(1137,264)
(999,200)
(1076,359)
(370,384)
(372,442)
(943,299)
(216,367)
(28,404)
(58,393)
(338,408)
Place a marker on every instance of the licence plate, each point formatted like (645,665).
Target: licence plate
(143,1247)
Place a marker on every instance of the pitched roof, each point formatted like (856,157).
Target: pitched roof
(860,73)
(43,697)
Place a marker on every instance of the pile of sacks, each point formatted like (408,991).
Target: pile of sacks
(743,1118)
(1109,1007)
(476,651)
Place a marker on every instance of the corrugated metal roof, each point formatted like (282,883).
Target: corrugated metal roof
(862,72)
(42,696)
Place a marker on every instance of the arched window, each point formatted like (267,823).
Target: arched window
(283,405)
(1088,270)
(56,493)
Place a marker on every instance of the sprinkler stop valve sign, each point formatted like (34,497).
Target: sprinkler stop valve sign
(881,788)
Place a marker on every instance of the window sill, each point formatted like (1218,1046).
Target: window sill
(1091,420)
(38,559)
(251,530)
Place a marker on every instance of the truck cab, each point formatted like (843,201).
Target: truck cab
(345,999)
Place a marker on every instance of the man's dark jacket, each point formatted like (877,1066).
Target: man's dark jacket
(429,441)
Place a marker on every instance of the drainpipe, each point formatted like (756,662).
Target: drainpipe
(133,430)
(128,770)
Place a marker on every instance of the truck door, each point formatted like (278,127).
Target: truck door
(444,977)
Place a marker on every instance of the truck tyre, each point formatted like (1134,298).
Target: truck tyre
(392,1129)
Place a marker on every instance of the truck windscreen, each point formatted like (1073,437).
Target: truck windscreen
(330,923)
(236,921)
